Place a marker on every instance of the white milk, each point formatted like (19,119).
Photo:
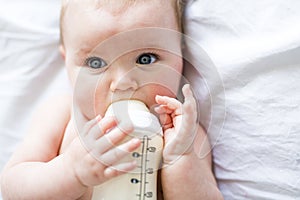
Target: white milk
(141,183)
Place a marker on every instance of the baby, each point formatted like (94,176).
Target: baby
(113,50)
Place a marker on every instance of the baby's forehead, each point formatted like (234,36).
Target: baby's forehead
(111,3)
(115,7)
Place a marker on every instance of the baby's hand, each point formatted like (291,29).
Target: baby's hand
(179,122)
(94,157)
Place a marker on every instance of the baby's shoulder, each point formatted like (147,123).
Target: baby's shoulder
(63,102)
(54,113)
(57,105)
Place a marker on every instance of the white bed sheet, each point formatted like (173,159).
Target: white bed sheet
(250,97)
(31,68)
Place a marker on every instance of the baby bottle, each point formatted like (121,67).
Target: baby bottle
(141,183)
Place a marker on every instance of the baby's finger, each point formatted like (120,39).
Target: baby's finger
(111,139)
(189,105)
(114,155)
(162,109)
(113,171)
(188,94)
(171,103)
(102,127)
(189,119)
(90,124)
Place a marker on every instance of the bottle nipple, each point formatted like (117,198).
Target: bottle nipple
(136,114)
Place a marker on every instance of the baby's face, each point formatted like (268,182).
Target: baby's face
(119,53)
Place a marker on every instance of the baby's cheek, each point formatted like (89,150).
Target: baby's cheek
(86,95)
(165,119)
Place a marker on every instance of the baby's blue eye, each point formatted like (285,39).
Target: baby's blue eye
(95,62)
(146,59)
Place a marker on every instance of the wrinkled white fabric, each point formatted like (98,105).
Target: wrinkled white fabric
(31,68)
(249,93)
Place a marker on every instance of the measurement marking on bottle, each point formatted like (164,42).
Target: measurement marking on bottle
(144,170)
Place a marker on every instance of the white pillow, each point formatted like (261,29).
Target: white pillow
(249,92)
(31,68)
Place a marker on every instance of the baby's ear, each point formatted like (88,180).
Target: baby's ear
(62,51)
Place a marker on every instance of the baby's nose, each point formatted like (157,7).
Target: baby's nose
(124,80)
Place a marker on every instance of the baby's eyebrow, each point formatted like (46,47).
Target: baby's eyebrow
(82,52)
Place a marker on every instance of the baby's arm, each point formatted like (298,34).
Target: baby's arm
(187,171)
(35,163)
(36,171)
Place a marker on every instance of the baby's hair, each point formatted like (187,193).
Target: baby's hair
(178,6)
